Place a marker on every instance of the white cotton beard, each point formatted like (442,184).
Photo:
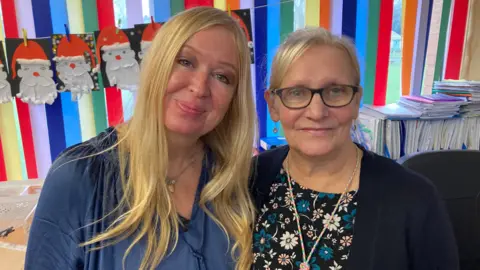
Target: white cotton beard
(123,73)
(77,80)
(37,90)
(5,92)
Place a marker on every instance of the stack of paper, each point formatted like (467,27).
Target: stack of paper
(470,90)
(435,106)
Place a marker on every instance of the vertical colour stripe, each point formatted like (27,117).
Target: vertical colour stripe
(260,49)
(85,106)
(176,6)
(220,4)
(470,69)
(349,19)
(312,12)
(90,20)
(361,38)
(325,8)
(3,169)
(12,150)
(372,46)
(419,49)
(32,125)
(457,39)
(113,95)
(336,10)
(299,14)
(383,51)
(408,42)
(273,40)
(237,4)
(161,10)
(73,135)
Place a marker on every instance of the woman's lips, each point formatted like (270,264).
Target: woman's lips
(190,108)
(317,131)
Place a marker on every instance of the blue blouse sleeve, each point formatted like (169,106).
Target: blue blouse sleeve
(56,231)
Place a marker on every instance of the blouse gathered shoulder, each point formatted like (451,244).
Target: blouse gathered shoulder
(73,206)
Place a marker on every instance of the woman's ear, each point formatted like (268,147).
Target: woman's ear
(272,106)
(357,100)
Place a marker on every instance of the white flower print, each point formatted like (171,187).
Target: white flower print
(334,224)
(346,241)
(289,241)
(275,206)
(317,213)
(287,220)
(283,259)
(335,266)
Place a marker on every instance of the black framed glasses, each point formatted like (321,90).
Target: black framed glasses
(333,96)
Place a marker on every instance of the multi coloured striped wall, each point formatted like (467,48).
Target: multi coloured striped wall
(32,136)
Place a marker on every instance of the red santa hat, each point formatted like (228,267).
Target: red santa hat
(149,33)
(111,38)
(242,25)
(33,53)
(73,50)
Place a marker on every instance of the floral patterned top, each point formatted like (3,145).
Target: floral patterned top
(276,244)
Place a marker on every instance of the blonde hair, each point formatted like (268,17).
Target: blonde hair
(300,41)
(146,209)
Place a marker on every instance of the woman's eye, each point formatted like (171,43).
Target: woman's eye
(185,62)
(222,78)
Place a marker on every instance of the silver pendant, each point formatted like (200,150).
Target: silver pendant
(304,266)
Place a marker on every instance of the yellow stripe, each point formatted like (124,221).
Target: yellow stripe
(85,106)
(220,4)
(8,133)
(312,13)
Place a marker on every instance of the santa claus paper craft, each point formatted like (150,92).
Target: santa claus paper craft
(30,71)
(118,61)
(75,64)
(5,89)
(147,32)
(242,16)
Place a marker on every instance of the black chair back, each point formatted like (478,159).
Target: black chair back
(456,173)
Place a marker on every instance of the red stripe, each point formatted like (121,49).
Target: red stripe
(196,3)
(383,51)
(457,39)
(11,31)
(3,169)
(113,96)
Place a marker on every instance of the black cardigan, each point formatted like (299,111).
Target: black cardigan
(401,222)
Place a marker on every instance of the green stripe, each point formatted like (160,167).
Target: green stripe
(98,97)
(442,40)
(176,6)
(371,55)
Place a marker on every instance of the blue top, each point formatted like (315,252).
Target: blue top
(78,192)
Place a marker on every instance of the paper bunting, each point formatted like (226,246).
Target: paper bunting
(147,32)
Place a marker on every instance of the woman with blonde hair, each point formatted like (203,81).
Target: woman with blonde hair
(169,188)
(326,203)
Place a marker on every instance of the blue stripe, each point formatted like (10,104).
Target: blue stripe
(161,11)
(43,28)
(349,18)
(273,40)
(260,48)
(430,7)
(361,37)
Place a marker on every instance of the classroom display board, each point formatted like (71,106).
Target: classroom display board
(64,64)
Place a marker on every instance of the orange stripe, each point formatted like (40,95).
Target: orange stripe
(234,4)
(409,21)
(325,14)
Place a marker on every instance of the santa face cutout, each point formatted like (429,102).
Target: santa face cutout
(121,66)
(72,67)
(31,67)
(148,33)
(5,88)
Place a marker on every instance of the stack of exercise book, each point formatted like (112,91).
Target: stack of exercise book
(470,90)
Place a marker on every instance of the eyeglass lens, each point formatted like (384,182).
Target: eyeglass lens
(333,96)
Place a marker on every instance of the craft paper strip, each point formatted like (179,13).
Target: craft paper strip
(260,49)
(336,17)
(90,20)
(457,39)
(432,46)
(176,6)
(106,18)
(85,106)
(349,19)
(28,125)
(5,96)
(43,28)
(312,12)
(361,38)
(238,4)
(273,40)
(196,3)
(470,69)
(299,14)
(70,108)
(286,27)
(383,52)
(325,17)
(134,13)
(408,42)
(220,4)
(161,10)
(421,37)
(371,46)
(3,169)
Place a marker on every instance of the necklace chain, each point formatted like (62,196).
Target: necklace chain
(305,265)
(171,181)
